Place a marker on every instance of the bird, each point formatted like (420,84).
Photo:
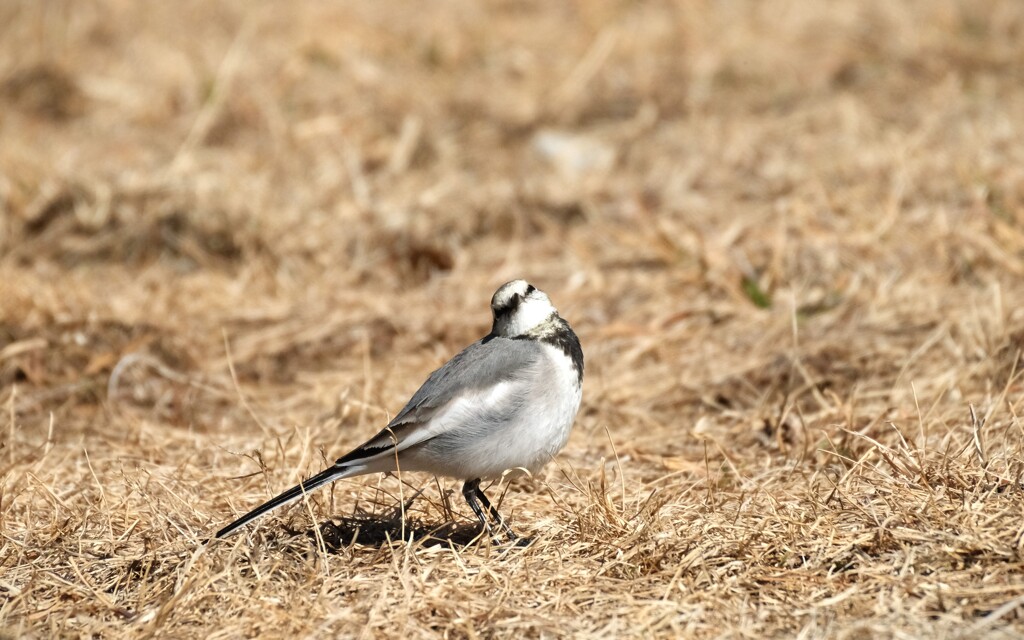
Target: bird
(506,402)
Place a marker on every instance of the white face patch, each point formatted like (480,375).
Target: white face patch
(520,307)
(531,313)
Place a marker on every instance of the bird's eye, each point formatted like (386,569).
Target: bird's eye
(530,289)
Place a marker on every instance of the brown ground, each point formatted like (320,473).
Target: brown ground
(236,236)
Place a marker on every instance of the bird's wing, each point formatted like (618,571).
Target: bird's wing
(487,371)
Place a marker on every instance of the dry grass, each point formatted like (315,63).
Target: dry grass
(234,237)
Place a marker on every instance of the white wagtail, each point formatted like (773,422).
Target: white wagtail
(507,401)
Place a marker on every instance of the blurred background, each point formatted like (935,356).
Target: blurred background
(253,226)
(684,178)
(320,166)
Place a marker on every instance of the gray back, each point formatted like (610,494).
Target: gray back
(480,365)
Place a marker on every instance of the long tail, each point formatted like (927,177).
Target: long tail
(332,473)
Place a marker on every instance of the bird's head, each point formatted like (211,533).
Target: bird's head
(520,308)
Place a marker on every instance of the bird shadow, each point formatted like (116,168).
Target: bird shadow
(377,531)
(370,528)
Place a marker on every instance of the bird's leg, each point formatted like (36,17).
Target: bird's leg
(475,496)
(470,491)
(494,513)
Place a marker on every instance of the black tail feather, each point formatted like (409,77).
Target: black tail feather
(296,492)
